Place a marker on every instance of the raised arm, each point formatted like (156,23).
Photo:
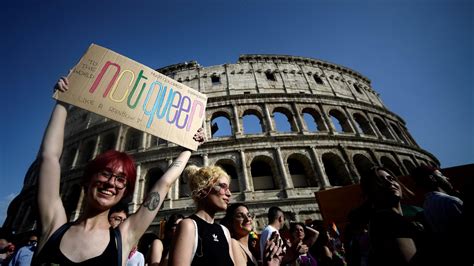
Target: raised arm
(312,236)
(51,209)
(133,228)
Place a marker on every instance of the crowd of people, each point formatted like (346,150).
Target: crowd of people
(377,232)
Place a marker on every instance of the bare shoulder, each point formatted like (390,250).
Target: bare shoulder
(186,226)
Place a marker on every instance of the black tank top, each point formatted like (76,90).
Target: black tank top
(51,254)
(212,248)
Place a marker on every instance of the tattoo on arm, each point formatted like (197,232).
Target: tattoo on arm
(152,201)
(176,163)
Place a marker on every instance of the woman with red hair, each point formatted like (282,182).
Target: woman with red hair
(107,179)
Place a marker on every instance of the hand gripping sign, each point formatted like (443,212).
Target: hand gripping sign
(128,92)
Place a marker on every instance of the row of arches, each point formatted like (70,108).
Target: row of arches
(310,119)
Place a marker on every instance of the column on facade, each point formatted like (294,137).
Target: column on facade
(400,163)
(374,157)
(377,130)
(268,119)
(282,78)
(326,119)
(348,86)
(319,165)
(329,82)
(245,174)
(205,159)
(282,165)
(76,155)
(237,127)
(306,78)
(352,169)
(138,191)
(352,122)
(255,77)
(96,147)
(142,143)
(118,143)
(174,193)
(299,120)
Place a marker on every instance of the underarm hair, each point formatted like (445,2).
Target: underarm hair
(152,201)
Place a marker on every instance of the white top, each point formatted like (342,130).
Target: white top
(266,234)
(137,259)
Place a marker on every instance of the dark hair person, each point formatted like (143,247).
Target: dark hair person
(107,179)
(393,239)
(239,220)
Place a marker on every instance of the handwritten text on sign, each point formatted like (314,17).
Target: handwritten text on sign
(116,87)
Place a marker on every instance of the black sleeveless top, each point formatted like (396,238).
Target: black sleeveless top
(212,248)
(51,254)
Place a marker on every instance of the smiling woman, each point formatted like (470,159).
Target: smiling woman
(107,179)
(239,221)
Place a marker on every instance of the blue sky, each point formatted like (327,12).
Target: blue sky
(418,54)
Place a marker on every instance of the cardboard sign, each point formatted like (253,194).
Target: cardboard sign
(128,92)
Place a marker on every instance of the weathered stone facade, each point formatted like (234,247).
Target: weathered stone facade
(338,125)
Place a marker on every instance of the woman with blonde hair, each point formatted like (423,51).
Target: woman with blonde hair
(210,242)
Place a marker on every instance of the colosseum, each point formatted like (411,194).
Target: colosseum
(283,127)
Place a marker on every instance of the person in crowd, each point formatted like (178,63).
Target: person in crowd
(276,220)
(24,255)
(239,221)
(3,253)
(274,250)
(8,252)
(302,238)
(199,240)
(117,215)
(393,239)
(159,253)
(443,215)
(106,180)
(135,257)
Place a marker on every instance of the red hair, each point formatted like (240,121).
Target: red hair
(114,159)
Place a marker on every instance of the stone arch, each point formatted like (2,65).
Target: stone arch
(382,127)
(313,117)
(251,118)
(133,139)
(398,132)
(230,168)
(284,121)
(300,170)
(86,152)
(263,171)
(390,165)
(408,165)
(336,170)
(221,125)
(363,165)
(340,121)
(151,177)
(363,124)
